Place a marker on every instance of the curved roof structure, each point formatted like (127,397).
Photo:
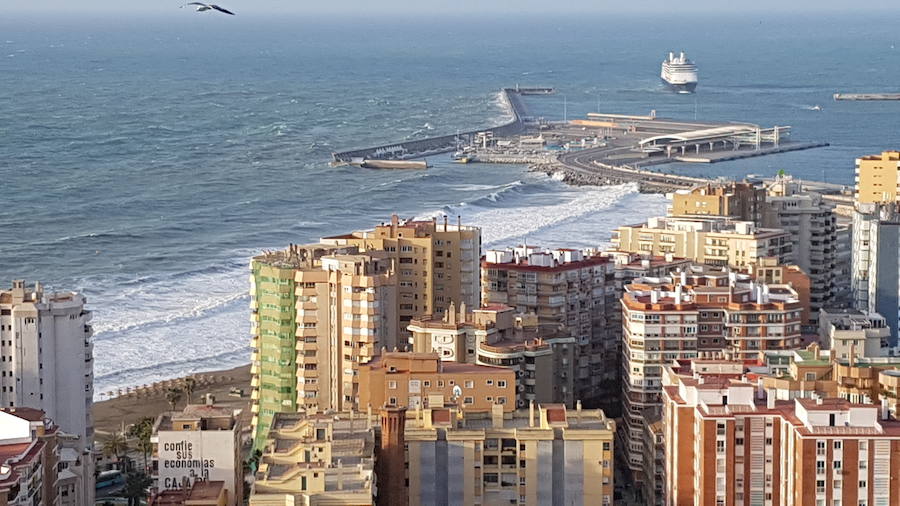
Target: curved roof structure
(706,134)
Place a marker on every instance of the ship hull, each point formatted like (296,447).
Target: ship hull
(681,87)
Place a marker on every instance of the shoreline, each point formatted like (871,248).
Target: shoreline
(112,414)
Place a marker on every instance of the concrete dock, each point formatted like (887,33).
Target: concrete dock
(867,96)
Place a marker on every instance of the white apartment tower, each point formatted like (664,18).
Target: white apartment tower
(876,262)
(46,361)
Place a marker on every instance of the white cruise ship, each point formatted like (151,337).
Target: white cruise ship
(679,73)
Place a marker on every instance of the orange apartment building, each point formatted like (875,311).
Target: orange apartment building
(543,360)
(567,290)
(739,201)
(728,442)
(422,380)
(700,310)
(437,263)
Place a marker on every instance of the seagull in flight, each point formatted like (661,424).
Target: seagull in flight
(208,7)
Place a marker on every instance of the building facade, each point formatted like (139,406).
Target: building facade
(28,460)
(48,364)
(436,262)
(875,283)
(316,459)
(542,359)
(878,178)
(567,291)
(727,442)
(542,455)
(736,200)
(318,311)
(813,230)
(712,241)
(202,443)
(702,310)
(420,380)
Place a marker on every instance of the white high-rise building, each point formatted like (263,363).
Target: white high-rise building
(46,362)
(876,262)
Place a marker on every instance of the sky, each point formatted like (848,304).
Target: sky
(457,7)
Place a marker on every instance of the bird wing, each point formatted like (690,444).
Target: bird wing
(220,9)
(194,3)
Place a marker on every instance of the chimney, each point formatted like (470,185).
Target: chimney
(210,400)
(760,390)
(391,457)
(578,411)
(654,296)
(340,475)
(683,277)
(531,413)
(446,218)
(678,293)
(885,409)
(770,399)
(497,416)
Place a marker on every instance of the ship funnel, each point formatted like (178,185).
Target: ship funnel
(671,56)
(681,56)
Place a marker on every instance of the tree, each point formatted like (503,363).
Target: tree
(136,485)
(173,396)
(143,432)
(190,384)
(116,445)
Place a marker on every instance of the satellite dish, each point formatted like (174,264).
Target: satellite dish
(457,391)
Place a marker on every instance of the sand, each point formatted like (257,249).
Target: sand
(109,415)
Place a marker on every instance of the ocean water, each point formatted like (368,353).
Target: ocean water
(144,160)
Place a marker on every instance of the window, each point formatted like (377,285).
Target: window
(489,383)
(820,467)
(470,384)
(501,383)
(468,400)
(863,484)
(392,385)
(837,445)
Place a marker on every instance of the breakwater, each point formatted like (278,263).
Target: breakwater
(419,148)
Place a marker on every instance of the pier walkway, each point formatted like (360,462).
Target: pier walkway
(419,148)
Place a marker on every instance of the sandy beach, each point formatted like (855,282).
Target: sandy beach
(110,415)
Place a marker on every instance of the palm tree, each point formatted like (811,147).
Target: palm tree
(143,431)
(173,395)
(136,485)
(115,445)
(190,384)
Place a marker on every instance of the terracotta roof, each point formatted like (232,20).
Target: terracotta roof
(29,414)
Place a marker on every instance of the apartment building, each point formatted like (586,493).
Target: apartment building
(28,460)
(728,442)
(542,359)
(654,461)
(567,291)
(813,230)
(843,329)
(782,204)
(418,380)
(737,200)
(200,443)
(878,178)
(875,275)
(48,364)
(437,263)
(317,313)
(701,310)
(317,460)
(542,455)
(707,240)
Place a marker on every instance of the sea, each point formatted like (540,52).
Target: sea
(145,159)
